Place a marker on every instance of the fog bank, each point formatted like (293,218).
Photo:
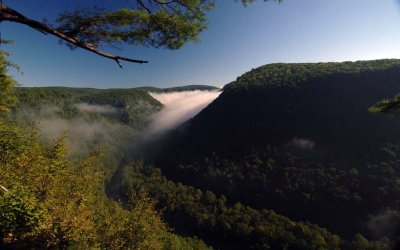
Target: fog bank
(83,134)
(90,108)
(178,108)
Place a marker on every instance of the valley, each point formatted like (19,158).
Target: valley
(288,156)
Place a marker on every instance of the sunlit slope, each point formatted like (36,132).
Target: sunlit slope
(126,106)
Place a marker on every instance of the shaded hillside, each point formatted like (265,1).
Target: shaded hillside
(324,105)
(223,225)
(299,139)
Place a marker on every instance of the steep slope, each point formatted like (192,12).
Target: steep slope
(324,106)
(299,139)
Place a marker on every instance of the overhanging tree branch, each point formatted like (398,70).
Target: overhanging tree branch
(8,14)
(156,23)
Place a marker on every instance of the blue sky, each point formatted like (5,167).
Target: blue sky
(237,40)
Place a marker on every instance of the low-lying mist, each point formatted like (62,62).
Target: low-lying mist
(178,108)
(90,108)
(89,129)
(86,130)
(83,133)
(84,136)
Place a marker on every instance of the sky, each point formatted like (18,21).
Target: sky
(237,39)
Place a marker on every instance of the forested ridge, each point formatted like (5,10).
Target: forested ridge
(329,111)
(296,74)
(299,139)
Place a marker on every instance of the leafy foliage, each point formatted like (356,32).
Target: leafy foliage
(19,214)
(7,97)
(51,200)
(156,23)
(167,24)
(239,226)
(174,242)
(387,106)
(51,197)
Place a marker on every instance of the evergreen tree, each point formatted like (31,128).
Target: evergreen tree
(156,23)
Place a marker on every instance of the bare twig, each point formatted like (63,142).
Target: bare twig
(4,189)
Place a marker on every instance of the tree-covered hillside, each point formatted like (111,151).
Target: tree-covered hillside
(296,74)
(324,104)
(127,106)
(52,199)
(299,139)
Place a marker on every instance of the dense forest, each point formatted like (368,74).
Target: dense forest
(299,139)
(287,157)
(53,186)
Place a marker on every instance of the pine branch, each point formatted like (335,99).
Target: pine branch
(8,14)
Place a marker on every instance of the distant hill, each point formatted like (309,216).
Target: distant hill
(180,88)
(126,106)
